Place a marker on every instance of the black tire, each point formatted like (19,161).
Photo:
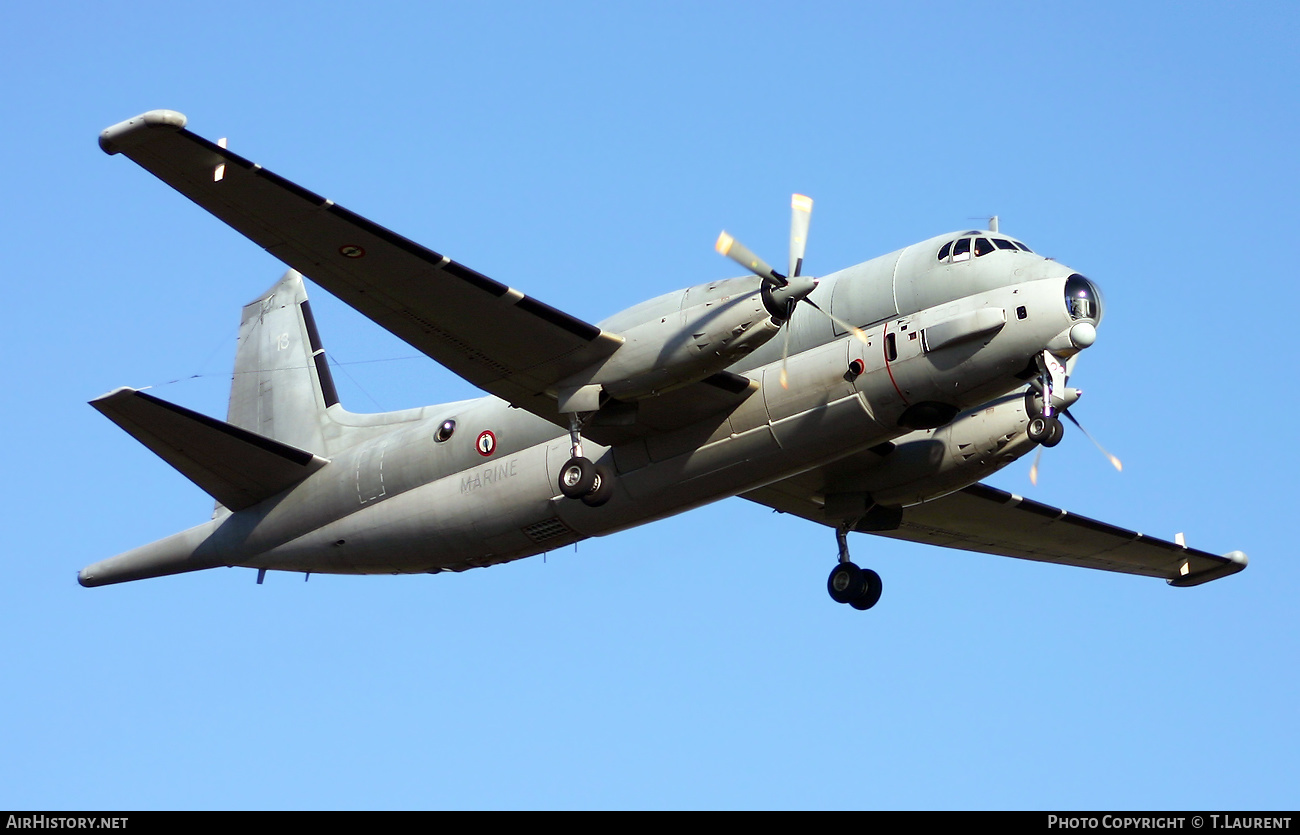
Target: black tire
(845,583)
(1040,429)
(1055,434)
(872,588)
(577,477)
(603,490)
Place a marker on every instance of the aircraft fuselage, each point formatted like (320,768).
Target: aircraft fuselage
(940,338)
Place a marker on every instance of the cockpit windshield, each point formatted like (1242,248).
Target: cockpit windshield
(964,248)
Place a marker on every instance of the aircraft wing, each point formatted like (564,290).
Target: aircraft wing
(991,521)
(494,336)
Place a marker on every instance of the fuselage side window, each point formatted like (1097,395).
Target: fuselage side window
(943,253)
(982,247)
(961,250)
(1022,246)
(1003,243)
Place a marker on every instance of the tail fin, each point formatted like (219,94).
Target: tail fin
(282,383)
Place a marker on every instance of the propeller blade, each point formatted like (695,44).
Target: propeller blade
(1033,471)
(1115,462)
(785,347)
(858,332)
(800,215)
(741,254)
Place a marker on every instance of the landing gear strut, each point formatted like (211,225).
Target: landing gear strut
(858,587)
(1046,428)
(579,477)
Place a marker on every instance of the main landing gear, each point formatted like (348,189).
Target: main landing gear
(858,587)
(579,477)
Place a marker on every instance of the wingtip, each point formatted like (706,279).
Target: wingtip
(1236,561)
(120,391)
(116,138)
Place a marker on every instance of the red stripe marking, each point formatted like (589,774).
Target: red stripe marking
(885,351)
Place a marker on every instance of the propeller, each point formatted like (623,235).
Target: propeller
(1114,461)
(781,294)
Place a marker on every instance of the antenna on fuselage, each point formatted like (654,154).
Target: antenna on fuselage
(992,221)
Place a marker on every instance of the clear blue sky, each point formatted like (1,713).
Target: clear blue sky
(588,153)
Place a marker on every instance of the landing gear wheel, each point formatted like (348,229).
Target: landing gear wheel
(602,490)
(577,478)
(1045,430)
(872,587)
(846,582)
(1058,432)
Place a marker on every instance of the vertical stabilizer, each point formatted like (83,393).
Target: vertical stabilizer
(282,384)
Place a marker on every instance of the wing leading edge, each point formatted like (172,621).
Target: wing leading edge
(991,521)
(494,336)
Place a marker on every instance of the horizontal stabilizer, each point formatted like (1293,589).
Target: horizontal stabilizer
(236,467)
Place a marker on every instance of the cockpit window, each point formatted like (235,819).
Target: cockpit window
(962,248)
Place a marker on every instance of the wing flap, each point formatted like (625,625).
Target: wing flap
(236,467)
(492,335)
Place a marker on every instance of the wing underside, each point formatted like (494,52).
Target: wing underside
(990,521)
(492,335)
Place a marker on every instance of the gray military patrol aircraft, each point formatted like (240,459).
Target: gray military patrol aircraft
(873,399)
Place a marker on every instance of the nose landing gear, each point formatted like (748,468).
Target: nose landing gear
(1046,428)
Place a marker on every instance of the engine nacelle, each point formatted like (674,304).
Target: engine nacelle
(931,463)
(679,348)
